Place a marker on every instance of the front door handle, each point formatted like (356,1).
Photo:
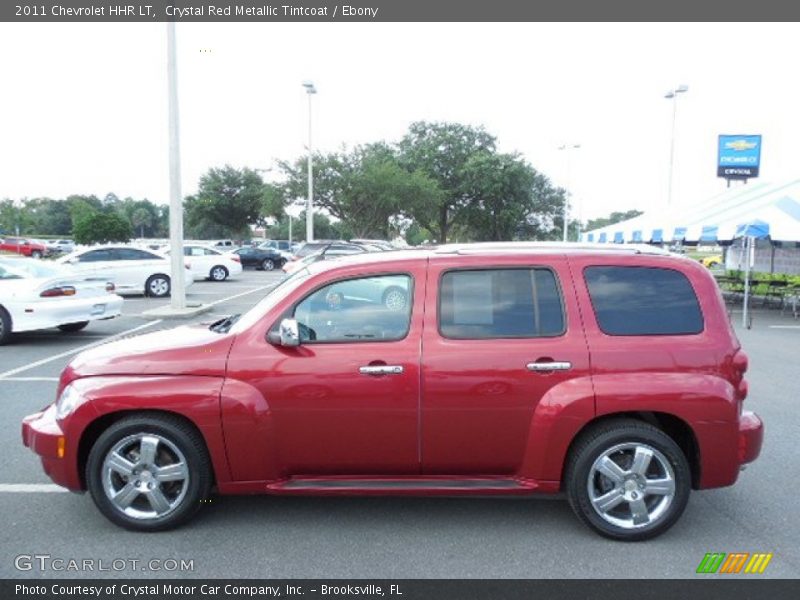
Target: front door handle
(381,370)
(540,367)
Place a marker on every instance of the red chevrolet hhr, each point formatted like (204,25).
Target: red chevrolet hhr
(612,375)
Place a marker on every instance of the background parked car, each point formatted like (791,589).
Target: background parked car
(266,259)
(312,252)
(209,263)
(61,246)
(38,295)
(130,269)
(24,246)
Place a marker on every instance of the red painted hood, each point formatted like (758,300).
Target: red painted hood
(187,350)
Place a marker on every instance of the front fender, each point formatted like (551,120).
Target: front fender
(194,398)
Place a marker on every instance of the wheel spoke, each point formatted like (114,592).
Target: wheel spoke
(125,496)
(608,500)
(175,472)
(611,470)
(641,460)
(147,449)
(158,500)
(118,463)
(660,487)
(639,511)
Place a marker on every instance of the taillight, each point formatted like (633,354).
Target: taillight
(740,364)
(64,290)
(236,259)
(110,287)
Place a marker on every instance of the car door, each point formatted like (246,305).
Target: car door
(134,267)
(346,400)
(498,339)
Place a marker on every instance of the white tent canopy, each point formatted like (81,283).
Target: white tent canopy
(775,207)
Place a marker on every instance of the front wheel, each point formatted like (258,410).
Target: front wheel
(268,264)
(5,326)
(149,473)
(36,254)
(628,480)
(157,286)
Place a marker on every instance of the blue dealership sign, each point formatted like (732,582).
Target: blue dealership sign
(738,156)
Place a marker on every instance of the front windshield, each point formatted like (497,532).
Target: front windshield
(29,269)
(276,294)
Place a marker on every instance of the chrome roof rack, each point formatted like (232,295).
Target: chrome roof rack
(488,247)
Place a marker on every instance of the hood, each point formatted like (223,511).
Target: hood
(186,350)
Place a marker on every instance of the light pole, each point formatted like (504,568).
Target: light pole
(310,90)
(568,148)
(673,95)
(178,292)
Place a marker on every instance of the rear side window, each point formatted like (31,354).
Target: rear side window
(643,301)
(500,303)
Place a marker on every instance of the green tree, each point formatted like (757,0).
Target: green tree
(227,202)
(441,151)
(614,217)
(13,217)
(140,219)
(101,228)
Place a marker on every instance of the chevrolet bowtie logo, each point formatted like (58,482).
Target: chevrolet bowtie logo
(740,145)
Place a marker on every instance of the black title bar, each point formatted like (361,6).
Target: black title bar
(397,10)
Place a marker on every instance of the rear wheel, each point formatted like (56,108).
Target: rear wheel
(268,264)
(5,326)
(628,480)
(73,327)
(149,473)
(157,286)
(395,298)
(219,273)
(36,254)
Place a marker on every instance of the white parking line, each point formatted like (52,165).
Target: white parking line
(27,488)
(263,287)
(784,326)
(44,361)
(28,379)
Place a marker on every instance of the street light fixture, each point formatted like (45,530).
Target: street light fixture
(567,147)
(673,95)
(310,90)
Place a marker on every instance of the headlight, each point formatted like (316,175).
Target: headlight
(67,402)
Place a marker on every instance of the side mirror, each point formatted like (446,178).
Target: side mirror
(288,334)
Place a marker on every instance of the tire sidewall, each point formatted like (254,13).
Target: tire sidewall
(5,326)
(579,473)
(151,279)
(197,463)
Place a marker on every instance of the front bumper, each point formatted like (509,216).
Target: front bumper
(42,434)
(751,437)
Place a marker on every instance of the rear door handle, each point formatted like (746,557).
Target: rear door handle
(381,370)
(540,367)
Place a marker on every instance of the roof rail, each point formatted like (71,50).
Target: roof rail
(485,247)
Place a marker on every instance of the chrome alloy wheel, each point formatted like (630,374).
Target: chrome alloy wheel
(219,273)
(159,286)
(631,485)
(145,476)
(395,300)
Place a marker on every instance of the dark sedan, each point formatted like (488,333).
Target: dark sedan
(260,258)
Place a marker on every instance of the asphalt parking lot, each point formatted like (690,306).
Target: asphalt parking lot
(274,537)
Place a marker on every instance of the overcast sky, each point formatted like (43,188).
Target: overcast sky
(83,107)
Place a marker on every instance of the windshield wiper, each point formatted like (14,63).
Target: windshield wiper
(224,325)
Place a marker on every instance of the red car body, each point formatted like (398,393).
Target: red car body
(465,416)
(23,247)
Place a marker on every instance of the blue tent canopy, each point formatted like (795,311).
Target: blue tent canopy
(679,234)
(602,238)
(756,228)
(709,233)
(618,237)
(637,236)
(658,235)
(590,237)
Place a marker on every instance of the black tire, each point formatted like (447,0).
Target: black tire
(170,430)
(268,264)
(5,326)
(218,273)
(391,298)
(158,286)
(615,437)
(73,327)
(36,254)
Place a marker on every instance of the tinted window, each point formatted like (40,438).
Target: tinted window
(368,309)
(133,254)
(500,303)
(643,301)
(96,256)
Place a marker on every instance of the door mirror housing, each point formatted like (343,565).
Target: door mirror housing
(288,334)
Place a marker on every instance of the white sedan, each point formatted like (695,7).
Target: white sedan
(37,295)
(210,263)
(131,269)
